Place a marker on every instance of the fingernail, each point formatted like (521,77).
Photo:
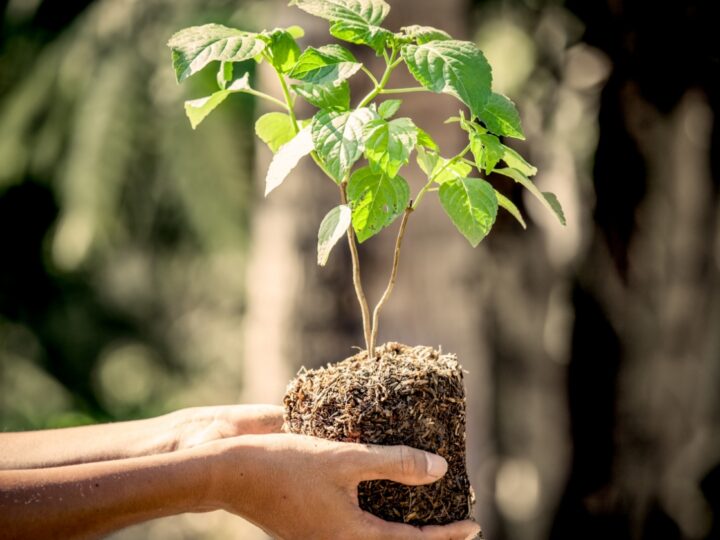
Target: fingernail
(436,465)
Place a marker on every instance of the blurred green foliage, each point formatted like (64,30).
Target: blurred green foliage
(122,231)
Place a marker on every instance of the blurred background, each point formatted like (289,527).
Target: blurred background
(141,271)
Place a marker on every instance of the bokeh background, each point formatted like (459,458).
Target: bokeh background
(141,271)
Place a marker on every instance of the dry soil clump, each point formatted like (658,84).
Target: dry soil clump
(409,395)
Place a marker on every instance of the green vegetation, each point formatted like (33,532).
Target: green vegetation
(374,195)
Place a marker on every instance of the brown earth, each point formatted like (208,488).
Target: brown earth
(409,395)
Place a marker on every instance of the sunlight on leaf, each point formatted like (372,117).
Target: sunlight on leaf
(333,228)
(287,158)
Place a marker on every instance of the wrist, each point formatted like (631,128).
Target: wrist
(237,474)
(204,463)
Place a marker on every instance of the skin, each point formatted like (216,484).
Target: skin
(87,482)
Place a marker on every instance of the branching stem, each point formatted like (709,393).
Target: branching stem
(431,180)
(391,281)
(370,325)
(370,76)
(392,63)
(357,281)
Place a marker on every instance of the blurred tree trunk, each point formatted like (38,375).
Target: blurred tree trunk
(645,367)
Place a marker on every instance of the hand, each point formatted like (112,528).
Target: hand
(181,429)
(294,486)
(201,425)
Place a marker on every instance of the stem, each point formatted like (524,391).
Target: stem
(288,100)
(391,282)
(429,184)
(357,282)
(268,97)
(291,112)
(319,163)
(391,65)
(403,90)
(370,75)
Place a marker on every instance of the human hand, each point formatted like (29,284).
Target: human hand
(200,425)
(295,486)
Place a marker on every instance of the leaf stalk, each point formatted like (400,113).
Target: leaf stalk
(403,90)
(288,100)
(267,97)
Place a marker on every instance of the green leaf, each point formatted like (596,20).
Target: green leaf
(478,150)
(274,129)
(388,144)
(362,34)
(472,206)
(548,200)
(333,227)
(453,67)
(337,137)
(224,74)
(356,21)
(327,64)
(501,117)
(452,171)
(369,12)
(325,96)
(195,47)
(425,140)
(552,200)
(424,34)
(286,158)
(487,149)
(426,160)
(296,31)
(508,205)
(198,109)
(389,107)
(282,50)
(438,168)
(376,200)
(515,161)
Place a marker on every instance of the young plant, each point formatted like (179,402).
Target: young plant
(344,130)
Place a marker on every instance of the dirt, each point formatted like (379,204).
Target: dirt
(409,395)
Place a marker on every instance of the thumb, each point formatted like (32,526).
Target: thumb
(401,464)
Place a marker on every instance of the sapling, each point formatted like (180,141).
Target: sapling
(372,196)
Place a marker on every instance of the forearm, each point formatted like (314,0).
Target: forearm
(86,444)
(121,440)
(91,500)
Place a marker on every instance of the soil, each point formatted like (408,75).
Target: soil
(409,395)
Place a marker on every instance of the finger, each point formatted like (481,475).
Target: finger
(257,418)
(385,530)
(460,530)
(400,463)
(379,529)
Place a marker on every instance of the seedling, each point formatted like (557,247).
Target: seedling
(395,393)
(341,132)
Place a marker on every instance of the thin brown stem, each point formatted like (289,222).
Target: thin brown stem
(391,282)
(357,282)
